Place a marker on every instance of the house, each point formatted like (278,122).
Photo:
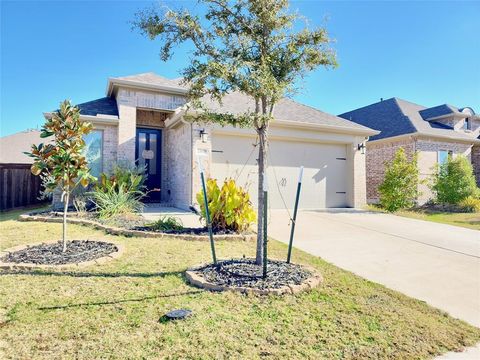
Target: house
(142,120)
(12,147)
(18,186)
(433,133)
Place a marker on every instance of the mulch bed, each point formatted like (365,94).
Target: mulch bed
(245,273)
(51,254)
(188,231)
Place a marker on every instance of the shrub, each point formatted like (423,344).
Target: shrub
(230,207)
(399,189)
(454,181)
(115,201)
(470,204)
(167,223)
(131,179)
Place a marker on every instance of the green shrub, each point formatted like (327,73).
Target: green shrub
(454,181)
(167,223)
(399,189)
(230,207)
(116,201)
(131,179)
(470,204)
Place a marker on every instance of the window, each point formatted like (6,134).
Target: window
(443,156)
(467,125)
(93,151)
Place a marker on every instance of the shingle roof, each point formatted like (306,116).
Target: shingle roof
(237,102)
(439,110)
(103,106)
(395,117)
(13,146)
(286,109)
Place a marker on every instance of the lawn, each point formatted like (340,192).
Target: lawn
(467,220)
(115,310)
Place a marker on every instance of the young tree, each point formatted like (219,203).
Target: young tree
(454,181)
(62,160)
(399,189)
(251,46)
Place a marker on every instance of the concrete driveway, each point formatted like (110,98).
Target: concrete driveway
(437,263)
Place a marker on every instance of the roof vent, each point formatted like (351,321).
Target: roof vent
(381,99)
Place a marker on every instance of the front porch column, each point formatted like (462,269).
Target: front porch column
(126,131)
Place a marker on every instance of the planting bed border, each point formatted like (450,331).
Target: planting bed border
(32,266)
(137,233)
(310,283)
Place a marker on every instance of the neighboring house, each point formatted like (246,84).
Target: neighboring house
(433,132)
(12,147)
(18,186)
(141,120)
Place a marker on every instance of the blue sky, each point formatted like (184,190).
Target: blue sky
(425,52)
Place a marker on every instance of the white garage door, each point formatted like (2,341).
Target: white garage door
(324,180)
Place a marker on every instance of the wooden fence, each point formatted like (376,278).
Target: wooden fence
(18,186)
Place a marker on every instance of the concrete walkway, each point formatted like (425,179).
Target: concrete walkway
(437,263)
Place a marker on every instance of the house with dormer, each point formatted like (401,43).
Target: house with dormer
(432,132)
(141,121)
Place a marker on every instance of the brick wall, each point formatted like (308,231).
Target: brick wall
(178,165)
(476,162)
(428,158)
(379,153)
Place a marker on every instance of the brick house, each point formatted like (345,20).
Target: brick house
(433,133)
(141,121)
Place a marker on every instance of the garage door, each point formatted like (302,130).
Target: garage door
(324,181)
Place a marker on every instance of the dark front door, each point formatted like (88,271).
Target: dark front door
(148,147)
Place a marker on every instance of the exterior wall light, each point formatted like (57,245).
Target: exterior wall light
(203,135)
(361,147)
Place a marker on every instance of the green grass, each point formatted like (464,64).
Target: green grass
(467,220)
(115,310)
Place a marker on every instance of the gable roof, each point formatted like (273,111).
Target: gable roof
(286,109)
(436,111)
(149,81)
(236,102)
(13,146)
(395,117)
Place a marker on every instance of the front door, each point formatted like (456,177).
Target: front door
(148,147)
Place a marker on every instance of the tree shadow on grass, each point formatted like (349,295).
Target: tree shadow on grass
(120,301)
(91,274)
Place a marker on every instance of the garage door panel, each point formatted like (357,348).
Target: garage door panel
(324,180)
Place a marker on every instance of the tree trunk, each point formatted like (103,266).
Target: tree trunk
(66,200)
(262,165)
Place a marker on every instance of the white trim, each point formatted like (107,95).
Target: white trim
(178,116)
(99,119)
(424,136)
(112,82)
